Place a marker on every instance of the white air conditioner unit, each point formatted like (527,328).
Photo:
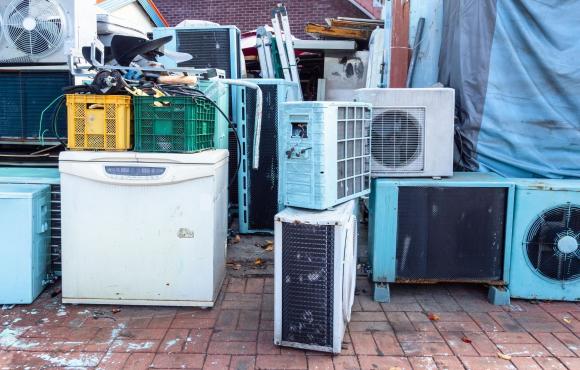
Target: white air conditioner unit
(412,131)
(44,32)
(315,276)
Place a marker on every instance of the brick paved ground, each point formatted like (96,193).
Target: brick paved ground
(237,334)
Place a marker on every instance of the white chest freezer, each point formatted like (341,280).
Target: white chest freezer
(143,228)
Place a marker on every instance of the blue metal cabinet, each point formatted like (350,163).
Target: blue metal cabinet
(453,229)
(25,241)
(545,258)
(46,176)
(324,153)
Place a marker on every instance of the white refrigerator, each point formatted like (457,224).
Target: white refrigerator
(143,228)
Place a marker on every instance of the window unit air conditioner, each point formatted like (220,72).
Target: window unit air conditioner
(545,259)
(258,193)
(43,32)
(412,131)
(448,230)
(315,276)
(324,151)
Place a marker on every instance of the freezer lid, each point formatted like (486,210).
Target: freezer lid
(21,191)
(205,157)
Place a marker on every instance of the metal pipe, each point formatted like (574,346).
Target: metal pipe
(416,49)
(258,119)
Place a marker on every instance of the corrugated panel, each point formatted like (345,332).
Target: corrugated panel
(209,48)
(451,233)
(263,183)
(307,283)
(23,96)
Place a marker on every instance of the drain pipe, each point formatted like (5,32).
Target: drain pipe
(386,70)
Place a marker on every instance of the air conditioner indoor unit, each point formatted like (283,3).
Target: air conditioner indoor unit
(412,131)
(448,230)
(545,259)
(43,32)
(258,190)
(315,276)
(324,151)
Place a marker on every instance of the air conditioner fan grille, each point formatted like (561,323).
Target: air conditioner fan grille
(397,139)
(552,243)
(34,27)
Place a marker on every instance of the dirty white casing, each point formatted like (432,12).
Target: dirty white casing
(143,228)
(344,222)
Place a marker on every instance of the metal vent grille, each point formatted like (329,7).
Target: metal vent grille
(398,137)
(261,186)
(552,243)
(353,165)
(34,27)
(24,96)
(55,229)
(307,283)
(451,233)
(209,48)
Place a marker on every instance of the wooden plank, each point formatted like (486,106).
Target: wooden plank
(354,25)
(399,43)
(337,32)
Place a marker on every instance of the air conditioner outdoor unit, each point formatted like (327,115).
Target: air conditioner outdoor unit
(324,151)
(456,229)
(43,32)
(545,261)
(210,47)
(412,131)
(258,190)
(315,276)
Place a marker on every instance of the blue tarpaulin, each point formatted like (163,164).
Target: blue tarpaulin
(515,66)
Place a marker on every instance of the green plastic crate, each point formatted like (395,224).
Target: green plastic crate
(175,124)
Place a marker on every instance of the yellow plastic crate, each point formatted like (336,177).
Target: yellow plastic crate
(99,122)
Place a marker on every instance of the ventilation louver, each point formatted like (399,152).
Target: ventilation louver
(552,243)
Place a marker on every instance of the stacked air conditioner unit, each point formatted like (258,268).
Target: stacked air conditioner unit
(36,39)
(258,190)
(315,276)
(448,230)
(324,152)
(545,257)
(412,131)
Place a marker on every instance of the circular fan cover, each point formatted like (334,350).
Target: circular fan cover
(35,27)
(396,138)
(553,243)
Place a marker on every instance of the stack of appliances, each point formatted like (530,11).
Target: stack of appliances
(518,236)
(156,216)
(427,225)
(211,46)
(36,40)
(324,155)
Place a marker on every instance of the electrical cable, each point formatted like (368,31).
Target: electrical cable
(40,132)
(235,135)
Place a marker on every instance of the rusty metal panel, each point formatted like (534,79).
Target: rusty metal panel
(399,43)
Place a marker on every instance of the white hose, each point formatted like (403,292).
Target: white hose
(258,120)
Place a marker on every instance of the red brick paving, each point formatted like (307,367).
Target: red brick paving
(238,333)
